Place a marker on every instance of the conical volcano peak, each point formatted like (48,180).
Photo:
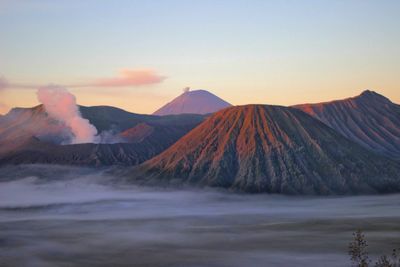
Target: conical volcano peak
(193,101)
(187,90)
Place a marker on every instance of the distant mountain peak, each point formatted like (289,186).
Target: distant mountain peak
(368,94)
(193,101)
(370,119)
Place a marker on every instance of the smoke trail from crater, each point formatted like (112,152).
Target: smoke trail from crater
(61,105)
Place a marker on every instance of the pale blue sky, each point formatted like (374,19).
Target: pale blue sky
(278,52)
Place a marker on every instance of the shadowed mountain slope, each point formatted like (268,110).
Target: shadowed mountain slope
(257,148)
(369,119)
(193,102)
(35,151)
(36,122)
(29,135)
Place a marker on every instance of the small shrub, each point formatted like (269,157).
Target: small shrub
(358,250)
(359,254)
(383,261)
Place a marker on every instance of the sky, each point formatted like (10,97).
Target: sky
(138,55)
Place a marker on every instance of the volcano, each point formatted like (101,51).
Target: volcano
(274,149)
(193,102)
(29,135)
(369,119)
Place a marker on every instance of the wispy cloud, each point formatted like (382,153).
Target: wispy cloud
(130,77)
(126,78)
(3,83)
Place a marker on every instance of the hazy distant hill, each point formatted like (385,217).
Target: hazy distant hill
(193,102)
(29,135)
(257,148)
(369,119)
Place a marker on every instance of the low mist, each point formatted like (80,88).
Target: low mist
(53,215)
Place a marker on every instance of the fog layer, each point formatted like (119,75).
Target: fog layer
(61,216)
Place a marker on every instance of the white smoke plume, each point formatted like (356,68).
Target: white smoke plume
(61,105)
